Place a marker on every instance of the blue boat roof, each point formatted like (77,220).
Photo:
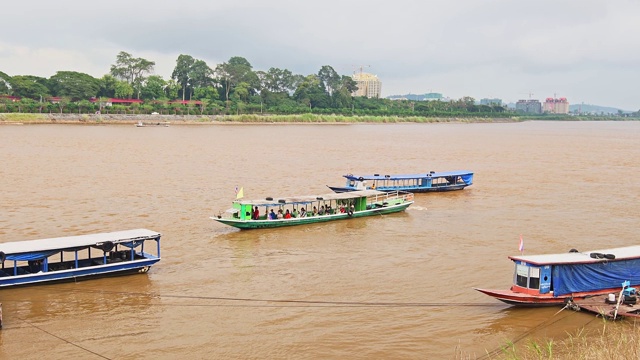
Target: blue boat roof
(623,253)
(409,176)
(72,242)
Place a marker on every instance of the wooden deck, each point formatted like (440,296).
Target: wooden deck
(599,306)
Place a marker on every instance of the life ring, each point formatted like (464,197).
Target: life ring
(269,198)
(574,251)
(350,213)
(360,178)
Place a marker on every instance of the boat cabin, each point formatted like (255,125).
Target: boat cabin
(575,272)
(72,257)
(424,182)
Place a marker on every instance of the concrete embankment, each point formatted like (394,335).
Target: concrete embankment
(79,119)
(105,118)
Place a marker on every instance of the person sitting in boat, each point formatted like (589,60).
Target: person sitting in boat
(280,214)
(314,212)
(272,215)
(303,213)
(256,213)
(287,214)
(342,209)
(373,186)
(295,213)
(321,211)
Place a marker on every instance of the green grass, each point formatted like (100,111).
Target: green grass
(22,117)
(613,341)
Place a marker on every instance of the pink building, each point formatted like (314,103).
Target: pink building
(556,106)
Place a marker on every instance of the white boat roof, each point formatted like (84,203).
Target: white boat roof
(622,253)
(305,199)
(70,242)
(409,176)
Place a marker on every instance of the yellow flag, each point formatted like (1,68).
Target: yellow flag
(240,193)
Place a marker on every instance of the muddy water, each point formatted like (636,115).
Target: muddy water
(397,286)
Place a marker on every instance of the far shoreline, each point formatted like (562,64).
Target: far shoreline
(247,119)
(159,119)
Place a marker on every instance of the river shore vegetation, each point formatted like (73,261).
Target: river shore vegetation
(230,88)
(611,341)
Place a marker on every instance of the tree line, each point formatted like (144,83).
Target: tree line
(232,87)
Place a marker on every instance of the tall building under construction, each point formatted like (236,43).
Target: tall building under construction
(556,106)
(368,85)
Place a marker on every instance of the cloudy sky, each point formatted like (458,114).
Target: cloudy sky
(587,51)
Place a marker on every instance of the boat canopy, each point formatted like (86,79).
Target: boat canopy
(433,174)
(571,278)
(311,199)
(25,250)
(623,253)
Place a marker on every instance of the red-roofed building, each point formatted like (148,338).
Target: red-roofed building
(9,98)
(186,102)
(111,101)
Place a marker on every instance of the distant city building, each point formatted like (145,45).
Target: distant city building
(414,97)
(556,106)
(368,85)
(529,106)
(486,101)
(433,96)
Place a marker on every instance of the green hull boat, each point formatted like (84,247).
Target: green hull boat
(300,210)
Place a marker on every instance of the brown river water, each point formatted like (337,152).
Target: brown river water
(398,286)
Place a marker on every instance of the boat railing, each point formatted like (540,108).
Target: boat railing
(393,195)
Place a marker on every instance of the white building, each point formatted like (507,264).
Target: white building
(368,85)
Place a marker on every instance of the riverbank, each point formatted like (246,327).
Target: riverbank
(88,119)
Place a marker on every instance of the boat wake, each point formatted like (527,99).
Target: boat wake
(417,208)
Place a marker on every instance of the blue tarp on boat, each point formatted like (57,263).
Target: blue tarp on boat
(468,179)
(572,278)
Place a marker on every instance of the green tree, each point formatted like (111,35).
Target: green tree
(278,80)
(5,87)
(153,88)
(85,105)
(124,90)
(181,72)
(311,92)
(329,79)
(131,70)
(237,70)
(107,86)
(74,85)
(206,93)
(191,74)
(172,89)
(28,86)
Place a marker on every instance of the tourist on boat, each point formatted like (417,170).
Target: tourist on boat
(280,215)
(295,213)
(321,211)
(342,210)
(303,213)
(272,215)
(287,214)
(256,213)
(315,211)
